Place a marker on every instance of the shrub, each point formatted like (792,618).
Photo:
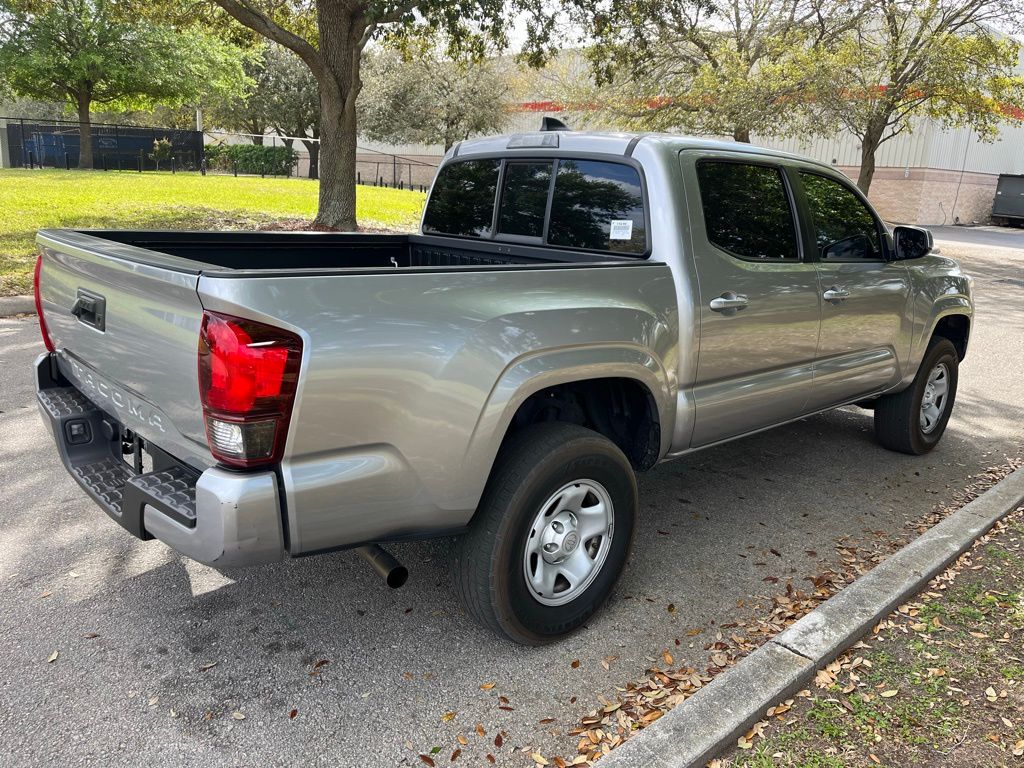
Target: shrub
(251,158)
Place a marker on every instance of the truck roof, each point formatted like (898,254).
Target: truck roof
(601,142)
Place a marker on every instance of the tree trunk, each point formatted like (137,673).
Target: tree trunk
(741,133)
(84,100)
(313,148)
(340,32)
(869,142)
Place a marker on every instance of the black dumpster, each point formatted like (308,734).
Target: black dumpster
(1008,207)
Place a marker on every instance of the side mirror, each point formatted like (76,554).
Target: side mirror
(912,242)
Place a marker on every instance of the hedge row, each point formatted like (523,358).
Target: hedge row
(251,158)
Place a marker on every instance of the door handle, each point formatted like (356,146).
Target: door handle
(728,302)
(836,295)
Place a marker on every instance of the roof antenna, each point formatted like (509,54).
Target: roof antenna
(553,124)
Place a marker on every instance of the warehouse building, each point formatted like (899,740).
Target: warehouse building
(932,175)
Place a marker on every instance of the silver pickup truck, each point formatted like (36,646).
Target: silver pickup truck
(576,308)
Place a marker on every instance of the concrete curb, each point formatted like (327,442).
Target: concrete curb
(17,305)
(710,720)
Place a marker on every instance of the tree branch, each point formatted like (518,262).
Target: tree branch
(256,20)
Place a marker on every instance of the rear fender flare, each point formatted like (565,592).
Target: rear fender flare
(530,374)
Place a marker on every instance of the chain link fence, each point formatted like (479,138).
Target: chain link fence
(33,143)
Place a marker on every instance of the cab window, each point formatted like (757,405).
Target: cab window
(462,199)
(524,199)
(845,229)
(747,210)
(599,206)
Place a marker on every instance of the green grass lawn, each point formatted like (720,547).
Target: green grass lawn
(32,200)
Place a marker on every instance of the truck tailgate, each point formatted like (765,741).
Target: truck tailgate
(125,323)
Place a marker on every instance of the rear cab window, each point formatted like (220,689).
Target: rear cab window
(462,199)
(577,204)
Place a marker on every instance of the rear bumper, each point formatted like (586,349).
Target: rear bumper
(218,517)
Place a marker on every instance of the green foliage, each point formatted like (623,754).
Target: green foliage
(722,69)
(161,153)
(421,96)
(86,51)
(943,60)
(290,94)
(251,158)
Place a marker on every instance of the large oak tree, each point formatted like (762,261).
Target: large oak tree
(330,36)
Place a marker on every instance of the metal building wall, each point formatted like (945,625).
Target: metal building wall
(928,146)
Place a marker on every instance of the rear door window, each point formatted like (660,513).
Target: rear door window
(524,198)
(747,210)
(599,206)
(462,199)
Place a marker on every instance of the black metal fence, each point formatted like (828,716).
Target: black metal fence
(57,144)
(33,143)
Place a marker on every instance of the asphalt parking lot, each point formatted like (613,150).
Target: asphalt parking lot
(164,662)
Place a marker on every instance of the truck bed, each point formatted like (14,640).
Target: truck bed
(280,251)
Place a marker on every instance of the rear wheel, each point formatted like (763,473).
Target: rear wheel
(912,421)
(551,535)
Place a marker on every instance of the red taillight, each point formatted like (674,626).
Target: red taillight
(247,376)
(39,305)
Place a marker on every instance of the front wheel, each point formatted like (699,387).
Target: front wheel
(551,534)
(912,421)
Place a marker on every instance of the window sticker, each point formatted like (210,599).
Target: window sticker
(621,229)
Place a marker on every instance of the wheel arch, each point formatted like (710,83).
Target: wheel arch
(955,326)
(572,385)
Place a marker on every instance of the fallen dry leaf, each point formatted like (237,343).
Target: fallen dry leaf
(427,760)
(490,758)
(480,730)
(293,714)
(90,635)
(575,664)
(498,741)
(237,716)
(487,686)
(889,693)
(667,658)
(455,755)
(462,740)
(208,666)
(539,759)
(52,657)
(447,717)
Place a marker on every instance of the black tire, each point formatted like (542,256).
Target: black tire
(489,570)
(898,416)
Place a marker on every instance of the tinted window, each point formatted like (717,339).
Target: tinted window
(843,226)
(524,199)
(598,205)
(462,200)
(746,210)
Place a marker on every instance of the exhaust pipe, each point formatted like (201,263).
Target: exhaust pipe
(382,561)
